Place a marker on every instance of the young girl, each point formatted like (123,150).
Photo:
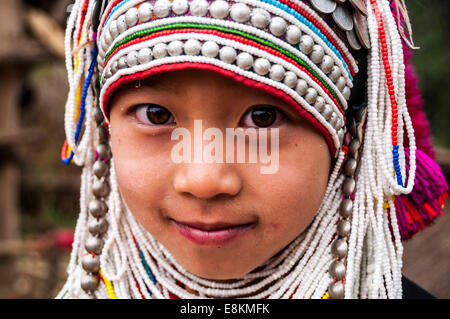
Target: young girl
(325,84)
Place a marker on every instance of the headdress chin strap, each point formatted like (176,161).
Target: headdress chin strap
(370,195)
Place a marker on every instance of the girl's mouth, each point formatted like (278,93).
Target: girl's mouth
(211,234)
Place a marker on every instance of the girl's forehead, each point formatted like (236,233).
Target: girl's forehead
(210,85)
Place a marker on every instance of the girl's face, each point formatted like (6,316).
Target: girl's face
(218,220)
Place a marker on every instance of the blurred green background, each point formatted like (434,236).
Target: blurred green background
(39,195)
(431,33)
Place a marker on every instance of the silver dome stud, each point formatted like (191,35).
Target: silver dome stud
(89,282)
(180,6)
(219,9)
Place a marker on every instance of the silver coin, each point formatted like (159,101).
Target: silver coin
(362,29)
(353,40)
(343,18)
(360,5)
(324,6)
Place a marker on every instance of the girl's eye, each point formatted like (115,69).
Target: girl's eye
(153,114)
(263,116)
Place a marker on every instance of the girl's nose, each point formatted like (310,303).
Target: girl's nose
(207,180)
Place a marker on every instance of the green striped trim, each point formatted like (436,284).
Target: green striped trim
(149,31)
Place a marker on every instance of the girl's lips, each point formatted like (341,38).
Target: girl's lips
(210,234)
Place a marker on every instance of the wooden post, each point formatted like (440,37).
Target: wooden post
(10,30)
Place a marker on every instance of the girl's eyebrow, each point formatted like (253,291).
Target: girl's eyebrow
(158,84)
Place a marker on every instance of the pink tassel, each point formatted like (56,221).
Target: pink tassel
(420,209)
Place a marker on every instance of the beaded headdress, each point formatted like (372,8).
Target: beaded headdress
(342,65)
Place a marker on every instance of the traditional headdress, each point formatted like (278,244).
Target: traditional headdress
(343,65)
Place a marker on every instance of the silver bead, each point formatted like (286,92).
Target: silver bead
(336,290)
(346,92)
(344,228)
(102,134)
(162,8)
(132,59)
(353,127)
(97,208)
(175,48)
(100,168)
(306,44)
(113,30)
(311,96)
(160,50)
(339,248)
(260,18)
(327,64)
(333,119)
(240,12)
(293,34)
(327,111)
(89,282)
(244,60)
(349,186)
(94,245)
(335,73)
(114,67)
(145,12)
(180,6)
(317,54)
(341,135)
(91,263)
(98,115)
(192,47)
(104,45)
(227,54)
(350,167)
(337,270)
(100,189)
(278,26)
(339,124)
(353,148)
(199,8)
(145,55)
(290,79)
(277,72)
(131,17)
(97,226)
(122,24)
(341,83)
(100,62)
(302,87)
(346,208)
(122,63)
(261,66)
(108,73)
(103,151)
(219,9)
(320,104)
(107,37)
(210,49)
(361,115)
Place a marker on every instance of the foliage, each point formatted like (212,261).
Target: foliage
(430,28)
